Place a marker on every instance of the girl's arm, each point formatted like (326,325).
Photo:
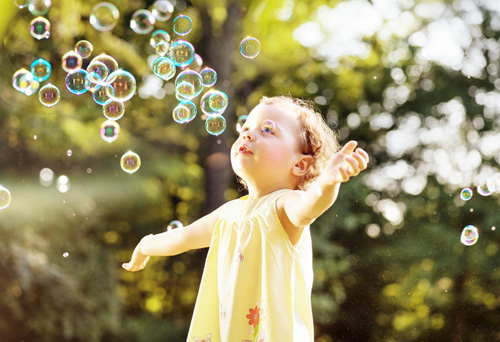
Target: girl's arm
(196,235)
(301,208)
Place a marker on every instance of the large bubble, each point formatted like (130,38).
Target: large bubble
(104,16)
(110,63)
(213,102)
(142,22)
(162,10)
(188,84)
(39,7)
(24,82)
(77,82)
(123,84)
(215,124)
(182,25)
(113,110)
(41,69)
(469,235)
(97,72)
(182,53)
(164,68)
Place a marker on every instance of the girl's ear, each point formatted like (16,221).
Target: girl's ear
(302,165)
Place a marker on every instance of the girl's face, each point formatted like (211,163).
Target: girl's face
(267,148)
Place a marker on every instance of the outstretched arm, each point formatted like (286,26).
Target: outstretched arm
(303,207)
(196,235)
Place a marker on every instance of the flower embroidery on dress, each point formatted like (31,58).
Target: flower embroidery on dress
(206,339)
(254,316)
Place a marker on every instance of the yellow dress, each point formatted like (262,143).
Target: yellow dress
(256,285)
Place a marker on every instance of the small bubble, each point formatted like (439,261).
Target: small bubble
(49,95)
(175,224)
(142,21)
(493,228)
(188,84)
(62,184)
(466,194)
(182,53)
(215,124)
(84,48)
(130,162)
(41,69)
(164,68)
(182,25)
(268,126)
(39,7)
(40,28)
(77,82)
(113,110)
(110,130)
(208,76)
(69,153)
(162,10)
(71,61)
(240,122)
(213,102)
(5,197)
(123,84)
(65,254)
(249,47)
(469,235)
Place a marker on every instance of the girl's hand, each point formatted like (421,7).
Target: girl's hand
(346,163)
(139,260)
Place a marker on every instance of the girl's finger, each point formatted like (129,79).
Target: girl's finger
(353,163)
(349,147)
(362,163)
(364,154)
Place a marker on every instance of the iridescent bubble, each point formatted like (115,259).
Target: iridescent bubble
(179,113)
(162,10)
(49,95)
(100,96)
(164,68)
(469,235)
(130,162)
(24,82)
(41,69)
(110,63)
(71,61)
(113,110)
(62,183)
(188,84)
(268,126)
(240,122)
(208,76)
(215,124)
(5,197)
(97,72)
(77,82)
(485,187)
(197,63)
(182,25)
(124,85)
(40,28)
(249,47)
(175,224)
(104,16)
(182,53)
(39,7)
(110,130)
(84,48)
(466,194)
(191,110)
(159,36)
(93,87)
(213,102)
(142,22)
(162,48)
(21,3)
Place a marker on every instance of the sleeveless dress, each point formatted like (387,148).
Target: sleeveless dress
(256,285)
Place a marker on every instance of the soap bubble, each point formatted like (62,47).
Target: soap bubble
(46,176)
(175,224)
(466,194)
(77,82)
(69,153)
(162,10)
(164,68)
(97,72)
(142,21)
(39,7)
(71,61)
(184,112)
(21,3)
(49,95)
(124,85)
(41,69)
(110,130)
(215,124)
(240,122)
(162,48)
(182,53)
(130,162)
(182,25)
(469,235)
(65,254)
(208,76)
(104,16)
(159,36)
(5,197)
(62,183)
(268,126)
(487,186)
(100,96)
(188,84)
(24,82)
(249,47)
(40,28)
(113,110)
(84,48)
(110,63)
(213,102)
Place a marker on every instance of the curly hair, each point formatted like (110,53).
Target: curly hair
(316,138)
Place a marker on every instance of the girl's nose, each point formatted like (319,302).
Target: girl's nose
(247,136)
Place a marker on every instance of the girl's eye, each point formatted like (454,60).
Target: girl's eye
(268,126)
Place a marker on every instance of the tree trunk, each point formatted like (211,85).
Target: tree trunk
(216,53)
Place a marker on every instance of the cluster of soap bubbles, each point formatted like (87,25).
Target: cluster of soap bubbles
(111,86)
(486,187)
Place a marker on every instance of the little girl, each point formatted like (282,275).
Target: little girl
(257,281)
